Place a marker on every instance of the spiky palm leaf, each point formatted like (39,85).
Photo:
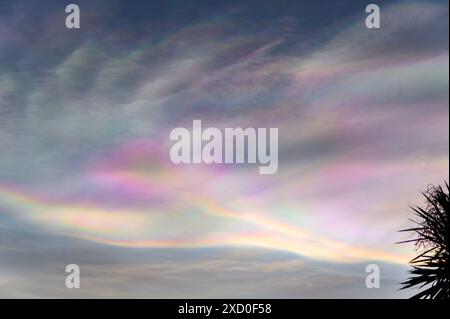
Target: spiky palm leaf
(431,267)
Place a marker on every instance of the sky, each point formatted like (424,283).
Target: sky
(85,120)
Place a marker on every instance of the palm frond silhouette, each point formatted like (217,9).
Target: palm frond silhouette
(431,238)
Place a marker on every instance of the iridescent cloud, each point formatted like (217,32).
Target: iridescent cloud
(362,114)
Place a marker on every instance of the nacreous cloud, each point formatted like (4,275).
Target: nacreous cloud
(363,119)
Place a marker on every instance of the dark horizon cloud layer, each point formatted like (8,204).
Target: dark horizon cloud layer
(85,118)
(33,269)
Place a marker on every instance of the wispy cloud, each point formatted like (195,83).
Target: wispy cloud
(85,119)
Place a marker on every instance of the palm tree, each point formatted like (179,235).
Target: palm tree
(431,238)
